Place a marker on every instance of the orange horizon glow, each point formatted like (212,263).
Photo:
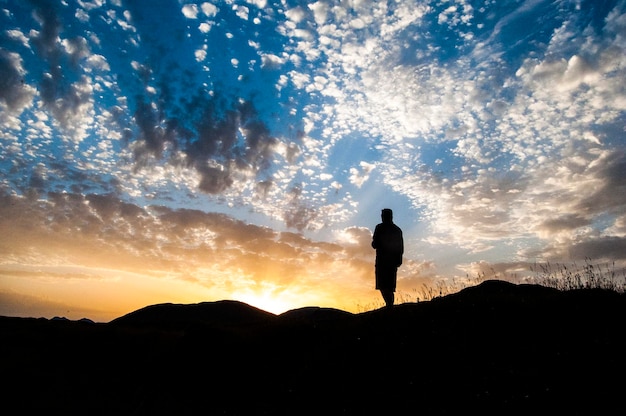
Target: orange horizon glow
(68,259)
(101,268)
(105,298)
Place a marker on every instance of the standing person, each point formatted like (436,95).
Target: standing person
(389,245)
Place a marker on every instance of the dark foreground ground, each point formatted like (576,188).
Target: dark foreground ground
(495,348)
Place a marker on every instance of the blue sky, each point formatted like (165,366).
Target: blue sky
(183,151)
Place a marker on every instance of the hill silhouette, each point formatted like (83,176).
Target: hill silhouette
(225,313)
(496,348)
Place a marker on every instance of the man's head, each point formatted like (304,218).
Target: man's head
(386,215)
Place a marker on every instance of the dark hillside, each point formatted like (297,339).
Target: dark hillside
(496,348)
(313,315)
(225,313)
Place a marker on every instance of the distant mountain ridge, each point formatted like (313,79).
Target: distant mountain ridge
(221,313)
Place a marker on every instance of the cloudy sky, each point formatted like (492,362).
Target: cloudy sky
(171,151)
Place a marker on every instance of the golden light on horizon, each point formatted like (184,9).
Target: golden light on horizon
(103,272)
(266,300)
(103,294)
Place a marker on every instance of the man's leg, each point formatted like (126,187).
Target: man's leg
(388,296)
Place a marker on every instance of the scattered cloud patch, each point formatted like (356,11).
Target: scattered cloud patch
(190,11)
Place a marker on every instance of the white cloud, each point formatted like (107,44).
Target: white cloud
(200,54)
(404,15)
(17,35)
(299,80)
(359,176)
(271,61)
(258,3)
(15,96)
(241,11)
(320,11)
(357,23)
(190,11)
(98,62)
(209,9)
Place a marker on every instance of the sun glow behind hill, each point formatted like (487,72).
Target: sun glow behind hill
(269,301)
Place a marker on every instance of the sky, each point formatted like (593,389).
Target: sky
(175,151)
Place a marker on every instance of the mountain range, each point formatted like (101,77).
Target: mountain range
(495,348)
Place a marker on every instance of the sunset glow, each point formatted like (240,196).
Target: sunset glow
(180,151)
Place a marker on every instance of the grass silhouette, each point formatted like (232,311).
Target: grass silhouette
(590,275)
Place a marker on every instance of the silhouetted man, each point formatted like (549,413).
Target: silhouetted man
(389,246)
